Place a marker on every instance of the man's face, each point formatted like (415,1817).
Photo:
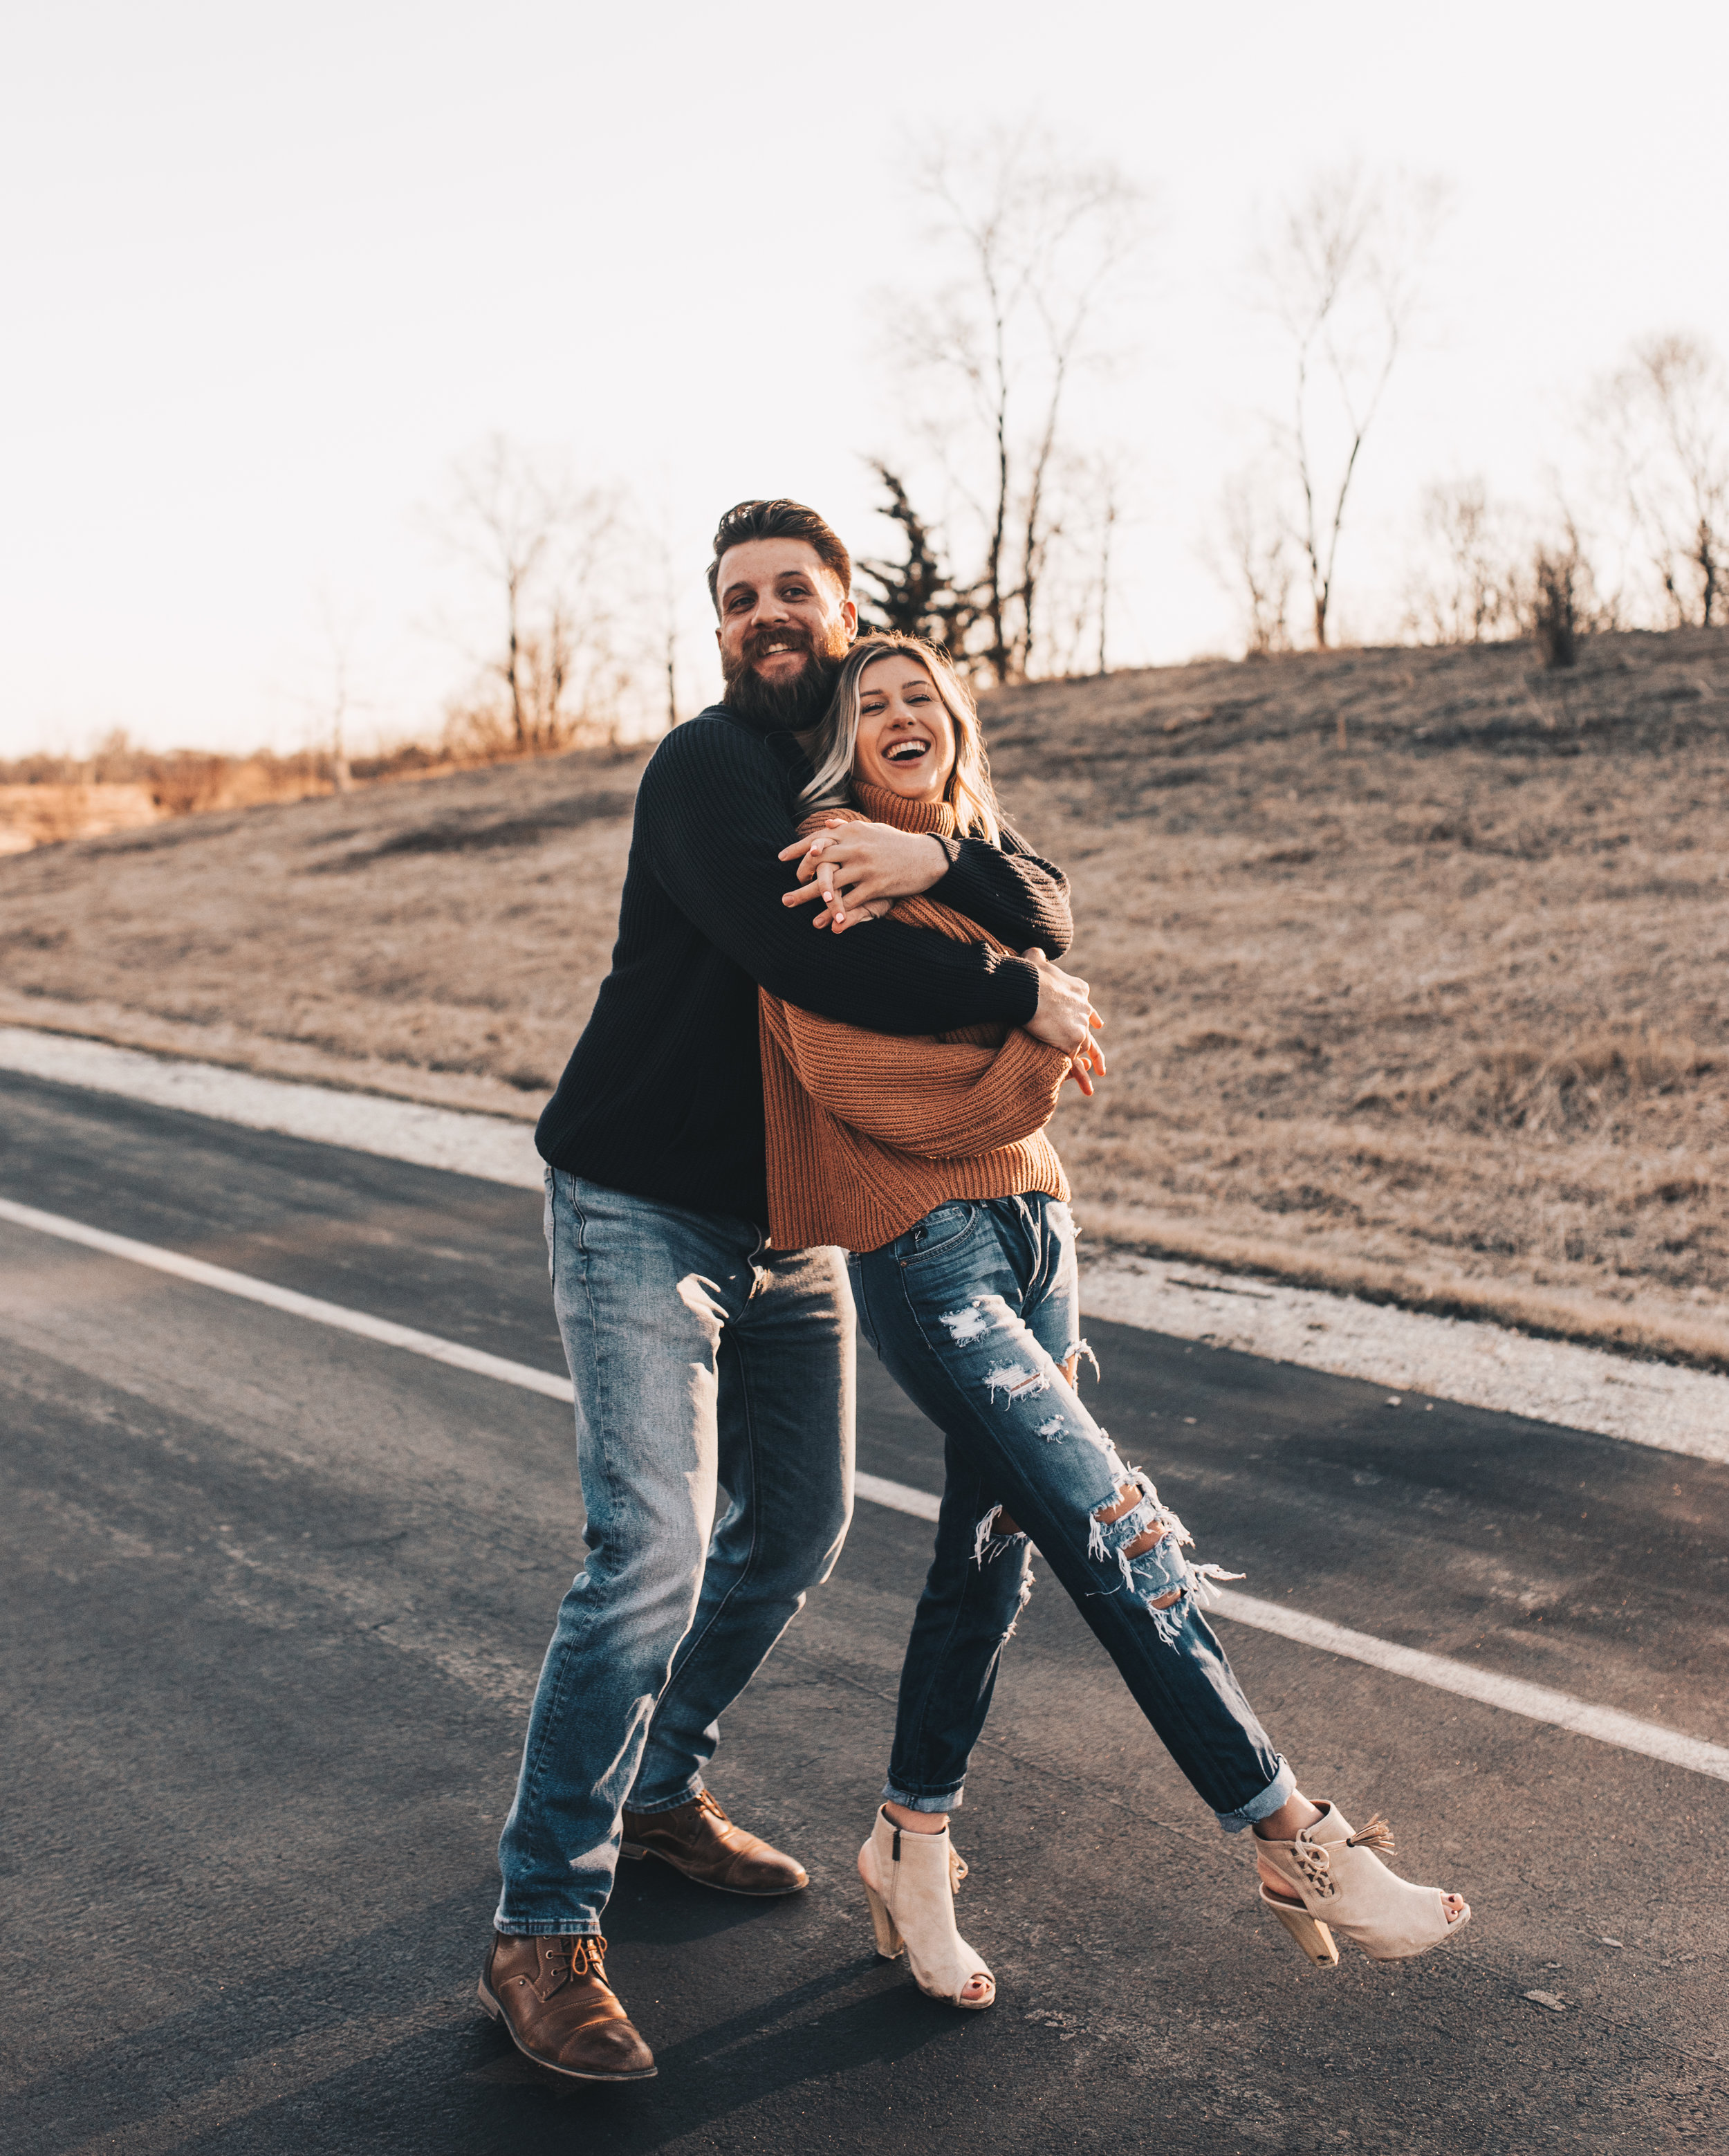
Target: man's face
(782,617)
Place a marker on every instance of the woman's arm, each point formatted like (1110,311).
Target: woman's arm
(1011,893)
(943,1100)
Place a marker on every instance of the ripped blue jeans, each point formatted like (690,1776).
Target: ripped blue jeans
(974,1311)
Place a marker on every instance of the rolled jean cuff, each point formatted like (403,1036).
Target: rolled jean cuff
(1277,1791)
(547,1928)
(950,1801)
(686,1796)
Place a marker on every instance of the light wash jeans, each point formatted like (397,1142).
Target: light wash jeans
(973,1309)
(700,1360)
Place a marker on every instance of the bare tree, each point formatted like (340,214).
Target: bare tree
(1249,551)
(1039,244)
(1665,417)
(544,545)
(1090,493)
(1464,589)
(1342,271)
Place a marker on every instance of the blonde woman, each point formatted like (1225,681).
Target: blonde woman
(927,1160)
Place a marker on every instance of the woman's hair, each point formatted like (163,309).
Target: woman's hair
(833,743)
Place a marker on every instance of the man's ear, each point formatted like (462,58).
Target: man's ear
(849,615)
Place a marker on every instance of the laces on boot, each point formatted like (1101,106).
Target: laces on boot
(568,1957)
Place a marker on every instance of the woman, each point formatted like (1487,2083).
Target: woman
(927,1159)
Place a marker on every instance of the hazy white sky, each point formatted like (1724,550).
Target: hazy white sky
(269,269)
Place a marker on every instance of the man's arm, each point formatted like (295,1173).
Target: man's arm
(1010,892)
(711,818)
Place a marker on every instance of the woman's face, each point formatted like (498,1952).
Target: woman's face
(906,739)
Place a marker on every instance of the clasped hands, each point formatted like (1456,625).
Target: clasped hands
(854,872)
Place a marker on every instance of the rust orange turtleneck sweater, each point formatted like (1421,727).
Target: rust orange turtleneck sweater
(868,1132)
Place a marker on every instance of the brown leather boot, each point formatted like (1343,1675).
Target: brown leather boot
(699,1840)
(553,1997)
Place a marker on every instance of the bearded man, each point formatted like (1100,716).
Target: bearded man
(700,1358)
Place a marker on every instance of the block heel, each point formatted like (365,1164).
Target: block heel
(1310,1934)
(890,1944)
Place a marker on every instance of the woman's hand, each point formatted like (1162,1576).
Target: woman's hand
(855,871)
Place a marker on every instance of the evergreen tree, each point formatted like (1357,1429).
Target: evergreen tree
(915,597)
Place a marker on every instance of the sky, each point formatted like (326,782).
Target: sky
(268,271)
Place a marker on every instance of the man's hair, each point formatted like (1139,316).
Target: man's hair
(779,519)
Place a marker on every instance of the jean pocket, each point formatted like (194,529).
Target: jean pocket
(938,1234)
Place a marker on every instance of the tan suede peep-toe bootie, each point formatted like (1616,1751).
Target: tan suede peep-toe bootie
(1339,1884)
(910,1881)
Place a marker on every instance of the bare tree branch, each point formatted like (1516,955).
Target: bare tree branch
(1664,417)
(542,543)
(1039,241)
(1341,273)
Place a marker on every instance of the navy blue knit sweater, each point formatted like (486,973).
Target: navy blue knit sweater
(662,1094)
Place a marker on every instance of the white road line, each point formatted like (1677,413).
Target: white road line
(1483,1365)
(898,1497)
(284,1298)
(1536,1702)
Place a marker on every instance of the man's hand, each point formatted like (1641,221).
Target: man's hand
(1065,1018)
(856,871)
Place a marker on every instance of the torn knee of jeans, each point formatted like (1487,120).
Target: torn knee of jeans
(1070,1360)
(1131,1525)
(1146,1540)
(996,1532)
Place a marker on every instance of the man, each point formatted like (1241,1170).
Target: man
(701,1358)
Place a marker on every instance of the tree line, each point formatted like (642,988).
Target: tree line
(1007,505)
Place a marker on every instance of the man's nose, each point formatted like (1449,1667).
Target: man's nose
(771,607)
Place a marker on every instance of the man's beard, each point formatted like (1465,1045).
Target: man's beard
(791,707)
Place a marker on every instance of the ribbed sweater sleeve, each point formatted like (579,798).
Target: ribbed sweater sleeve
(938,1099)
(711,820)
(1009,892)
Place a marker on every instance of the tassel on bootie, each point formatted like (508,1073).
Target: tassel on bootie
(910,1881)
(1339,1884)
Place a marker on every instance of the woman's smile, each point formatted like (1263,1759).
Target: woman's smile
(906,738)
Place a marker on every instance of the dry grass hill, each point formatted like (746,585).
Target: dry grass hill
(1441,1014)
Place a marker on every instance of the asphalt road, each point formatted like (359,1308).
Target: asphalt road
(274,1597)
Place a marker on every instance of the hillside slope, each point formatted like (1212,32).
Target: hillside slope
(1441,1014)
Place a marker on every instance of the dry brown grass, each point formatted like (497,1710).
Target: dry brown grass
(1445,1017)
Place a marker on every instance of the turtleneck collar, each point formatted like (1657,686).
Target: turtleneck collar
(936,817)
